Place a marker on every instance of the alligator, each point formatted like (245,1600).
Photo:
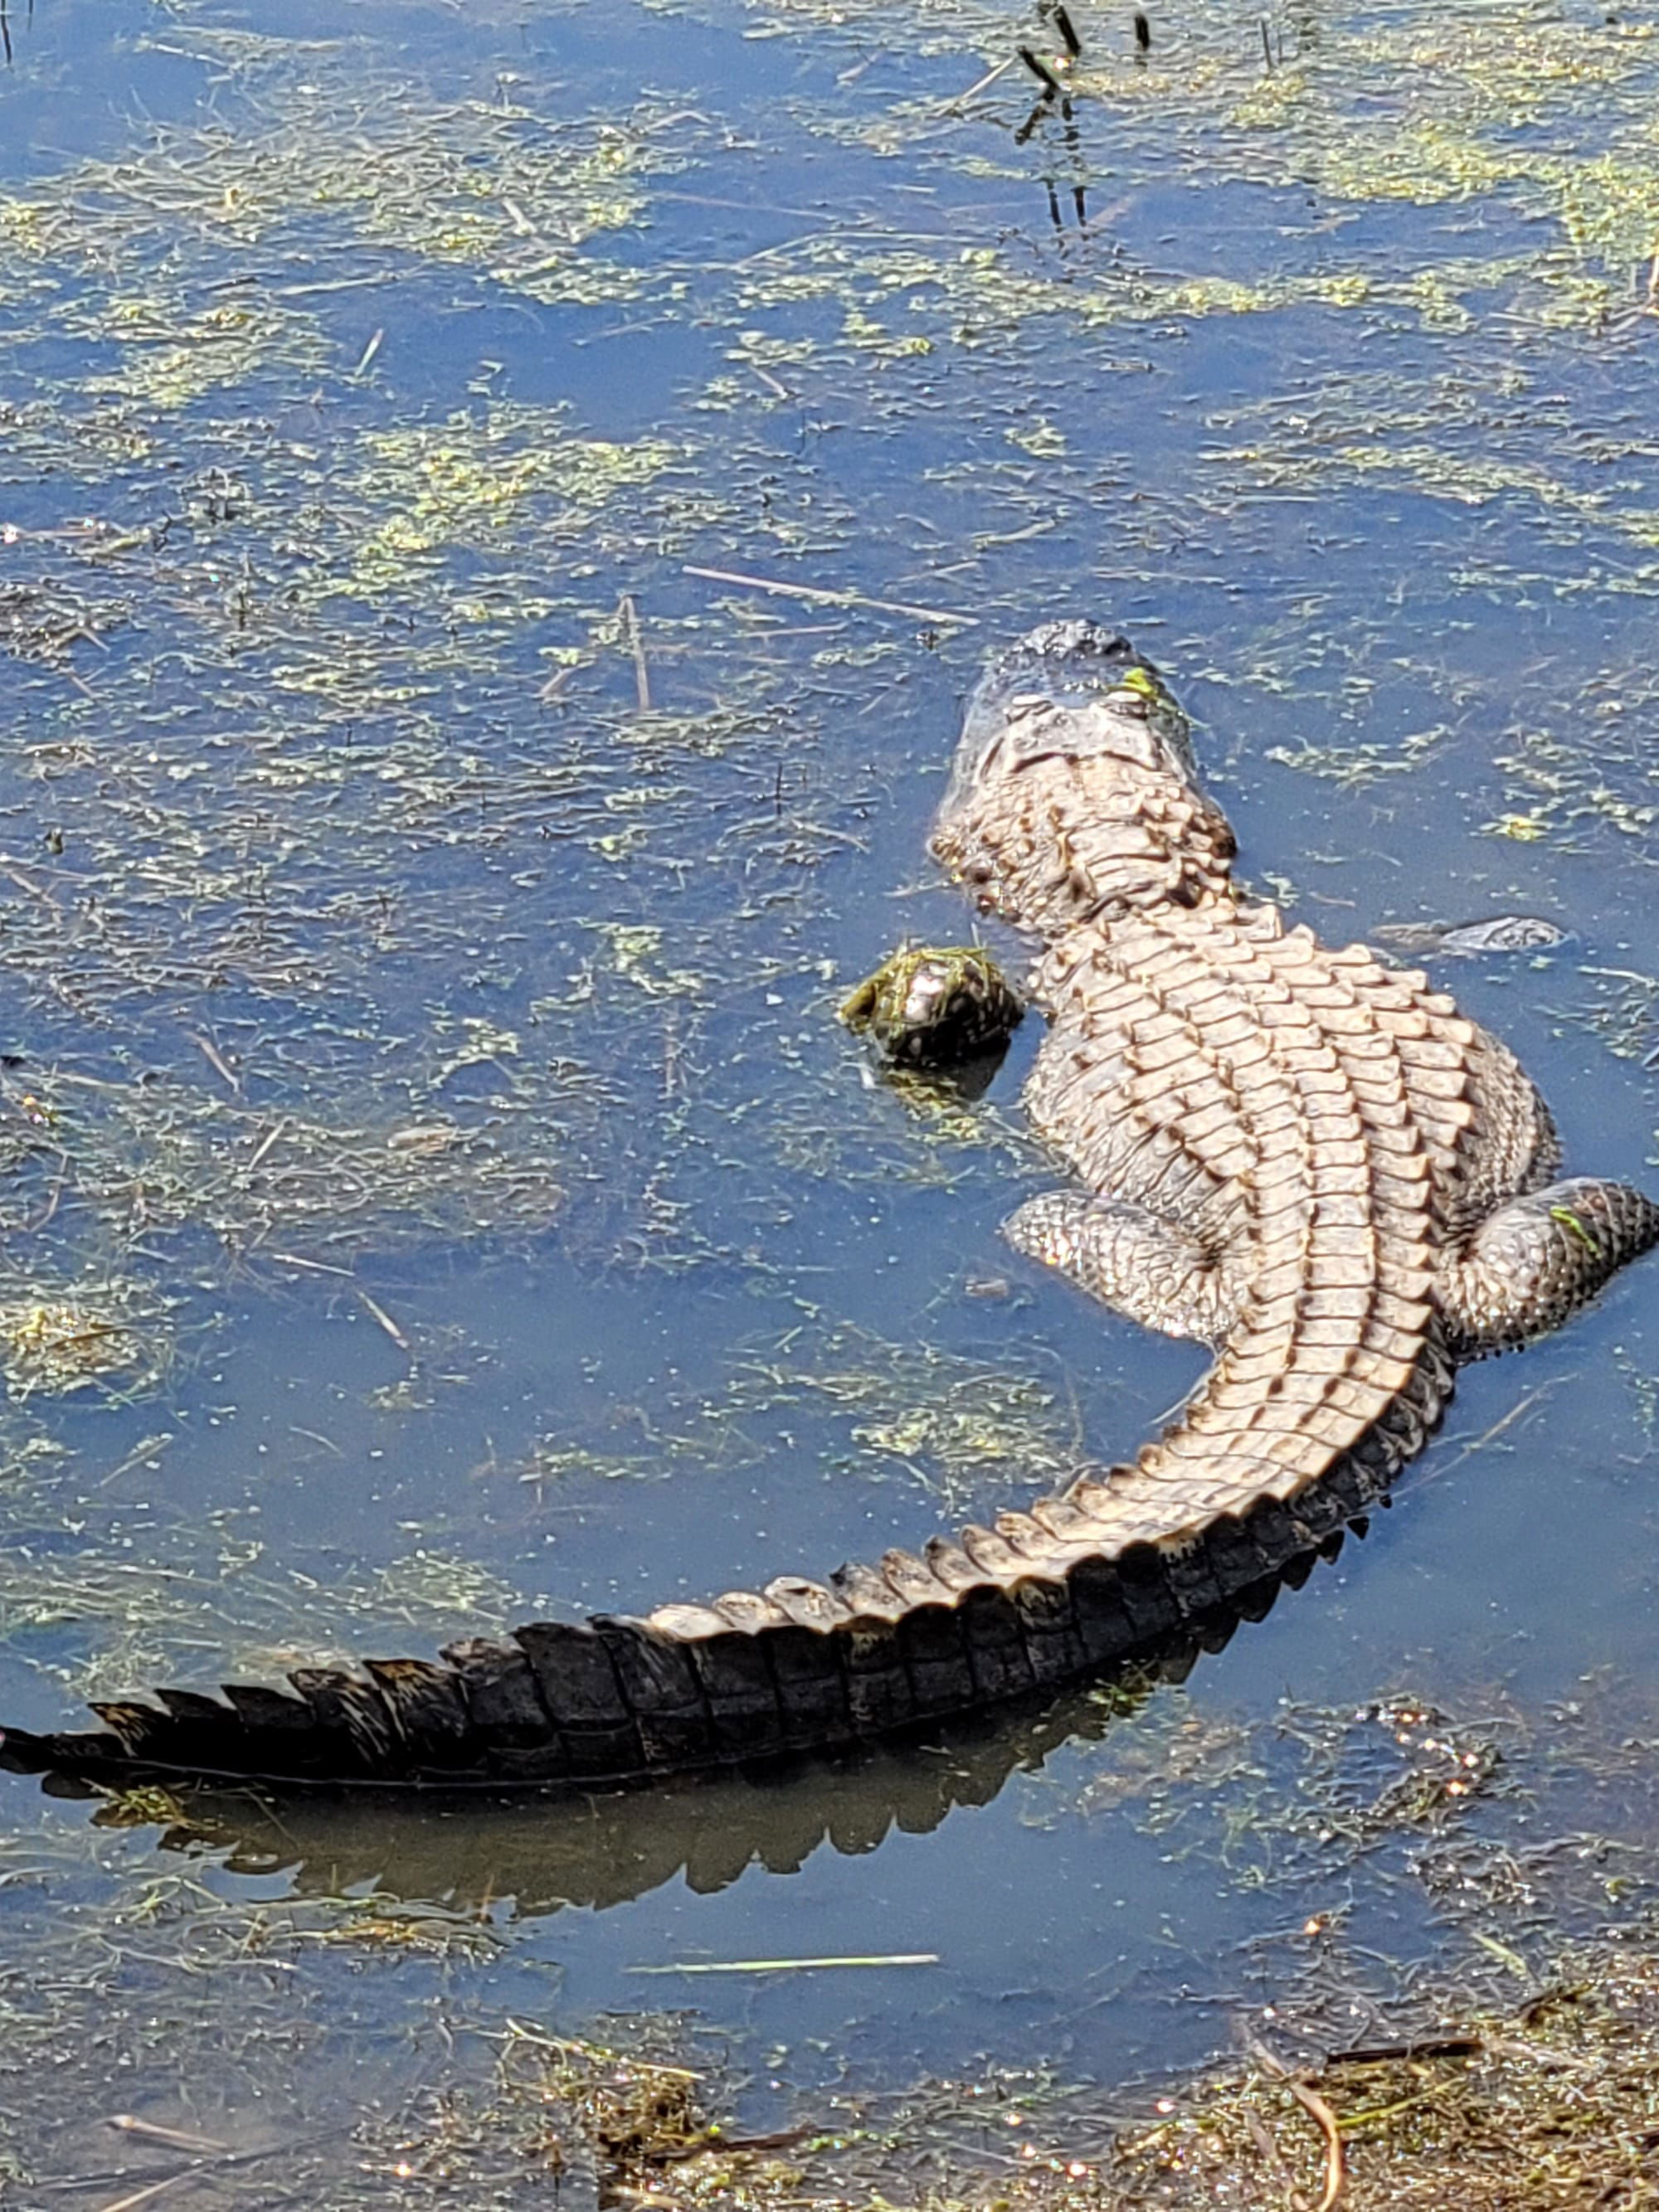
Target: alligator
(699,1831)
(1306,1158)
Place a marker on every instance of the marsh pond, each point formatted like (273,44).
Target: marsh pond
(500,508)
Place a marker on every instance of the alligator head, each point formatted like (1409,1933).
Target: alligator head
(1074,787)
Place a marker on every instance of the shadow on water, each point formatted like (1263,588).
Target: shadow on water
(607,1848)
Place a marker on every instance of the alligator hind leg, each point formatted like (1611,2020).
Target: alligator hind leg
(1130,1259)
(1533,1263)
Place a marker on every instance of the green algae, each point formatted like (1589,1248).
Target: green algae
(469,483)
(361,793)
(959,1428)
(113,1621)
(1425,110)
(51,1345)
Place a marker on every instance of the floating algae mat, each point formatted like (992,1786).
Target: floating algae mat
(497,515)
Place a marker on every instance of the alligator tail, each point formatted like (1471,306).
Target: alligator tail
(1069,1589)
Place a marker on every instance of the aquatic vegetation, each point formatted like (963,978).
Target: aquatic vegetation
(56,1345)
(466,484)
(423,851)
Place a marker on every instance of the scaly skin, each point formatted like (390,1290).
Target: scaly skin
(1304,1156)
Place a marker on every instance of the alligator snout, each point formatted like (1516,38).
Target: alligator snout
(1078,691)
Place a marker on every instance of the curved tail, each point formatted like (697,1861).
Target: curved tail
(702,1830)
(1080,1583)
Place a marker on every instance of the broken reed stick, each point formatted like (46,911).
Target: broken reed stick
(1041,70)
(630,615)
(786,1965)
(974,90)
(129,2124)
(216,1059)
(831,598)
(377,1312)
(1336,2172)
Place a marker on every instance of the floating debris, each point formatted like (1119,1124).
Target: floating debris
(1465,940)
(788,1965)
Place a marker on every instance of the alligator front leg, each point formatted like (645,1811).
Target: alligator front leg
(1131,1259)
(1534,1262)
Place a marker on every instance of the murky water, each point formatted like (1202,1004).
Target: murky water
(437,1186)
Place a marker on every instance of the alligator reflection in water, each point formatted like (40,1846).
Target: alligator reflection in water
(608,1847)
